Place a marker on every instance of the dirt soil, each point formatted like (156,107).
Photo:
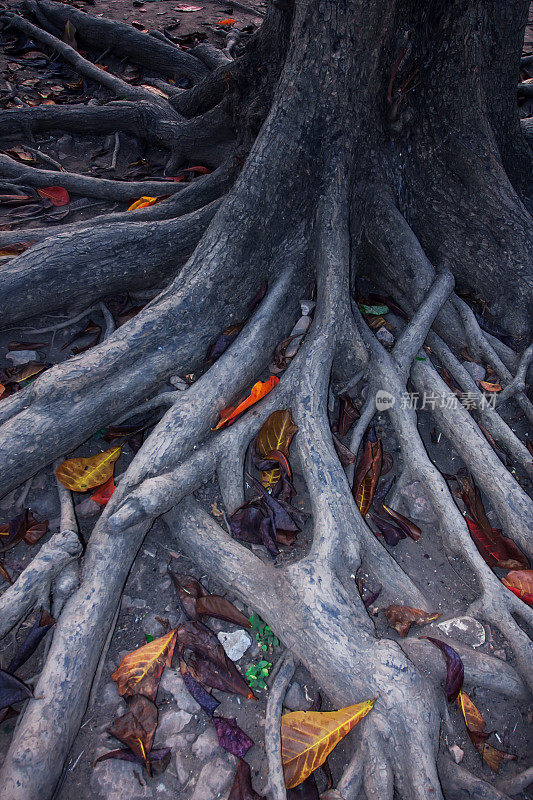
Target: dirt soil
(199,769)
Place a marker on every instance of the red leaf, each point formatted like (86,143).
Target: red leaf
(520,582)
(496,550)
(259,390)
(57,195)
(104,492)
(367,473)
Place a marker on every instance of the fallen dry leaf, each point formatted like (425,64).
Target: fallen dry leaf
(275,435)
(520,582)
(367,473)
(259,390)
(402,617)
(82,474)
(490,387)
(145,202)
(475,725)
(56,194)
(139,672)
(308,737)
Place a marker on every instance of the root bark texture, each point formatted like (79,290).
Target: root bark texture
(319,169)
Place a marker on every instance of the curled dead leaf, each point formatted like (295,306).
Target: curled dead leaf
(402,617)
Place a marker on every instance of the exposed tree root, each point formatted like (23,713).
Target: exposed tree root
(311,232)
(81,65)
(32,587)
(124,40)
(278,687)
(193,196)
(107,262)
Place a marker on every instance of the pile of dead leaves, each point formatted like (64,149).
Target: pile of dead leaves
(204,666)
(268,518)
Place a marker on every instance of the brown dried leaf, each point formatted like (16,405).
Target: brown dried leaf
(140,671)
(402,617)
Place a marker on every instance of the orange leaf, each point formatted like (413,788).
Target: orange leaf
(228,21)
(58,195)
(104,492)
(308,737)
(2,389)
(520,582)
(259,390)
(145,202)
(139,672)
(490,387)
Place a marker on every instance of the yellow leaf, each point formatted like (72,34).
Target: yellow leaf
(143,202)
(155,90)
(275,434)
(82,474)
(308,737)
(139,672)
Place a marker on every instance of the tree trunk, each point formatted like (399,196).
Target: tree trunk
(379,140)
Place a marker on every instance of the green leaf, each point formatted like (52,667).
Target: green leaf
(376,310)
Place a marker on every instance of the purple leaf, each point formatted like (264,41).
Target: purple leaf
(455,669)
(201,695)
(12,690)
(390,532)
(40,628)
(373,597)
(231,737)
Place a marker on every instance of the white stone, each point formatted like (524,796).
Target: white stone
(206,745)
(20,357)
(173,683)
(216,776)
(466,629)
(235,643)
(307,306)
(456,753)
(299,330)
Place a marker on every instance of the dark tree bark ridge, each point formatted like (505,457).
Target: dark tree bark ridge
(351,140)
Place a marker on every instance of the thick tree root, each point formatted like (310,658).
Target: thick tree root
(279,684)
(32,587)
(313,604)
(193,197)
(107,262)
(301,591)
(81,65)
(124,40)
(102,188)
